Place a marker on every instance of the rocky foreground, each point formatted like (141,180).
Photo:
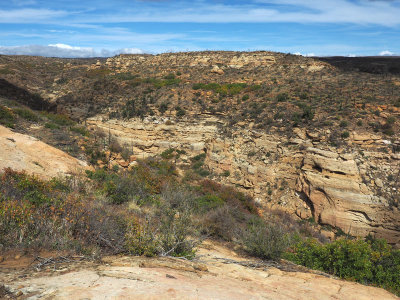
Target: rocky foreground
(217,273)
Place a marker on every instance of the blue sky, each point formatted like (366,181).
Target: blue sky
(86,28)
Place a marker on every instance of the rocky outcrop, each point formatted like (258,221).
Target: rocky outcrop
(218,273)
(257,163)
(217,62)
(299,174)
(338,196)
(25,153)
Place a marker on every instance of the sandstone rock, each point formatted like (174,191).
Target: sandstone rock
(379,182)
(123,163)
(217,70)
(252,169)
(313,135)
(23,152)
(395,156)
(197,146)
(328,234)
(121,277)
(339,198)
(301,133)
(133,164)
(364,137)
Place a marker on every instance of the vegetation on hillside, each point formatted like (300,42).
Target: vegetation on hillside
(276,97)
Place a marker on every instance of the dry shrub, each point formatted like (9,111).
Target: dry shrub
(167,233)
(223,222)
(53,215)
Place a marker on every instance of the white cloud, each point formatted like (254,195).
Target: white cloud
(63,50)
(261,11)
(256,11)
(386,53)
(64,46)
(31,16)
(306,55)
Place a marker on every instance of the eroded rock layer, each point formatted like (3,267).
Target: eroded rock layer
(341,187)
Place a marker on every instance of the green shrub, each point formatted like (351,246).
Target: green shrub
(27,114)
(81,130)
(170,76)
(370,261)
(125,76)
(224,89)
(308,113)
(119,188)
(58,119)
(51,126)
(282,97)
(176,233)
(180,112)
(96,73)
(6,71)
(159,83)
(163,107)
(19,185)
(391,120)
(199,157)
(140,238)
(44,214)
(168,154)
(208,202)
(345,134)
(229,195)
(267,241)
(226,173)
(7,118)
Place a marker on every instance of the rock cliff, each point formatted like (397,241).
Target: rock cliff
(302,174)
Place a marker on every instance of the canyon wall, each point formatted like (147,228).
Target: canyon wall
(341,187)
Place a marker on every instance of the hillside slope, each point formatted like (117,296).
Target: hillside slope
(318,138)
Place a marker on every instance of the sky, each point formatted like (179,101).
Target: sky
(88,28)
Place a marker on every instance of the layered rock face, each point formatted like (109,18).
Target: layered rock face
(339,197)
(217,62)
(301,174)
